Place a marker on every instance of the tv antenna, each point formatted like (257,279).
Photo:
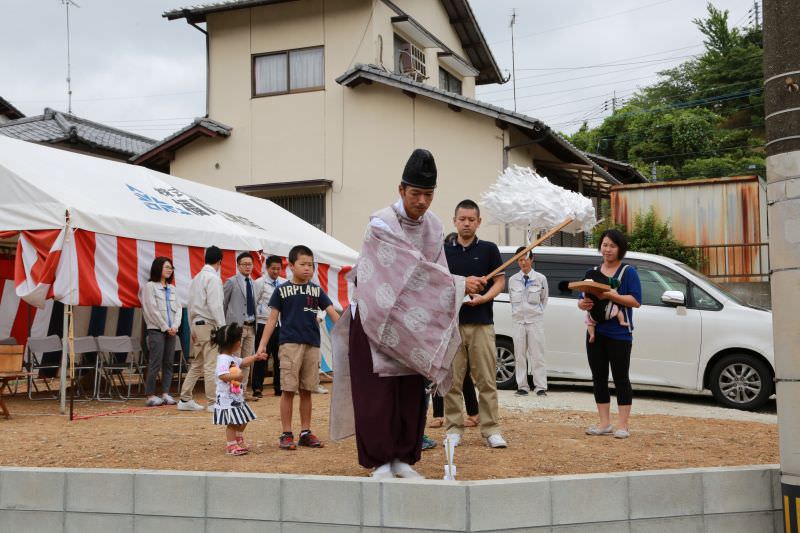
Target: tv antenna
(67,4)
(513,63)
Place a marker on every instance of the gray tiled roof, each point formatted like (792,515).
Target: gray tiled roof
(211,125)
(55,126)
(374,73)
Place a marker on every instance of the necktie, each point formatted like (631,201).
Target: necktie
(526,278)
(251,302)
(275,283)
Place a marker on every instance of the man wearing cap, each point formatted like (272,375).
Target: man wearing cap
(402,328)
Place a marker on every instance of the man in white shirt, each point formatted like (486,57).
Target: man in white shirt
(527,291)
(206,313)
(269,283)
(239,301)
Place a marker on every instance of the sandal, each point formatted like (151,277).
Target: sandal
(234,449)
(436,423)
(240,442)
(472,421)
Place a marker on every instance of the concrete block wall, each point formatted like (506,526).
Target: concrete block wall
(730,500)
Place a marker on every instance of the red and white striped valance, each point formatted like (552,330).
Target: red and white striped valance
(87,268)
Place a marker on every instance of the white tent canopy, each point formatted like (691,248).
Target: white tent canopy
(40,184)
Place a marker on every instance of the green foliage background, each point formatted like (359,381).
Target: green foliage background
(704,118)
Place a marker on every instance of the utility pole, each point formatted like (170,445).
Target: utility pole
(513,63)
(756,15)
(782,117)
(654,171)
(66,4)
(614,102)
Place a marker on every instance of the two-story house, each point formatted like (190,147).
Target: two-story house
(317,104)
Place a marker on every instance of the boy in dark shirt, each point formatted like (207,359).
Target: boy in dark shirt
(296,302)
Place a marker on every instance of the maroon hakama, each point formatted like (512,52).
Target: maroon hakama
(389,411)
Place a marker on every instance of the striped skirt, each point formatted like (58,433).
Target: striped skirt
(242,414)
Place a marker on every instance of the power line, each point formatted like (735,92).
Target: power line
(604,65)
(610,15)
(111,97)
(571,79)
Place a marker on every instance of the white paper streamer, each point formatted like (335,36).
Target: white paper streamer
(522,198)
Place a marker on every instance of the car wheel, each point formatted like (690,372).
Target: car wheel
(505,364)
(741,381)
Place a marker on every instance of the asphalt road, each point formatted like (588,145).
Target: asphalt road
(578,397)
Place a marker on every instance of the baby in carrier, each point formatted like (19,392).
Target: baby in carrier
(602,310)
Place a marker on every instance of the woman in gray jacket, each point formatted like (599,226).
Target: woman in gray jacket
(162,314)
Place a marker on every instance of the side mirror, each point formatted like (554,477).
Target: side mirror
(673,298)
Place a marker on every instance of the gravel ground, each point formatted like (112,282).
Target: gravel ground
(578,397)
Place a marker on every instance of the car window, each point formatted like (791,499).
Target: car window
(702,300)
(559,271)
(656,279)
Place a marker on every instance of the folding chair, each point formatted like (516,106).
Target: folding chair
(8,341)
(180,365)
(40,368)
(84,347)
(120,363)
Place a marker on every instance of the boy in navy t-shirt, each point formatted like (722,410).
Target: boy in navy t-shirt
(297,302)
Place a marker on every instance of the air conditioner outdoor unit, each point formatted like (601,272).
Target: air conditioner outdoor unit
(412,62)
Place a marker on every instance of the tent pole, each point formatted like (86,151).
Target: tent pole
(64,358)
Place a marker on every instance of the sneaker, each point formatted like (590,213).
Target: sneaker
(496,441)
(427,443)
(321,390)
(286,442)
(598,431)
(383,472)
(455,438)
(404,470)
(257,394)
(521,392)
(168,400)
(622,434)
(153,401)
(541,392)
(191,405)
(309,439)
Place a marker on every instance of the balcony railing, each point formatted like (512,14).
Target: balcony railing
(735,262)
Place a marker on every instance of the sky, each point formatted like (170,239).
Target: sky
(133,69)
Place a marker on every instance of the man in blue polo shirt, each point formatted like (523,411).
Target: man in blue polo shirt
(470,256)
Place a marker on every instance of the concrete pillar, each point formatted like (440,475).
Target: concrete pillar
(782,111)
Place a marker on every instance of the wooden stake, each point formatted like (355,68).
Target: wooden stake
(530,247)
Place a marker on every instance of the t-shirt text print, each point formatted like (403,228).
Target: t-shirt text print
(298,306)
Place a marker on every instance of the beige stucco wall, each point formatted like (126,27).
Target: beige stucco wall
(360,138)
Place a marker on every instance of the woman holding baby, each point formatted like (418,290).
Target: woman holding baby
(612,339)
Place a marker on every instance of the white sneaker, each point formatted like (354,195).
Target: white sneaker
(191,405)
(404,470)
(153,401)
(383,472)
(455,438)
(496,441)
(167,399)
(321,390)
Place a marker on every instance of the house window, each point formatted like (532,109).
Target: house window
(309,207)
(290,71)
(448,82)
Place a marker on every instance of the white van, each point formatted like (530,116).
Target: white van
(690,333)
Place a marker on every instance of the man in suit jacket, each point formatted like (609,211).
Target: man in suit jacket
(240,299)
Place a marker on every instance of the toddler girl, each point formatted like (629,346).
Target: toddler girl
(230,408)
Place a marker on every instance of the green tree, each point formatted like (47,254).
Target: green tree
(653,236)
(704,118)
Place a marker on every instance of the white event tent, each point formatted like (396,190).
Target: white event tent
(87,228)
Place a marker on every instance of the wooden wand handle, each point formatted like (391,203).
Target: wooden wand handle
(530,247)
